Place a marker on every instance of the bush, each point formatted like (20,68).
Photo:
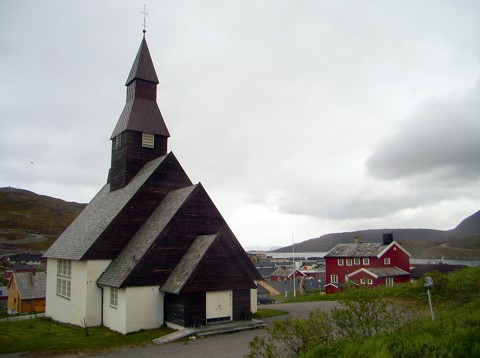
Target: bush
(356,319)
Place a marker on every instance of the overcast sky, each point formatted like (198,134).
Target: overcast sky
(299,117)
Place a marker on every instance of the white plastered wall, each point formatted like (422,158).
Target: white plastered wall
(85,299)
(138,308)
(253,299)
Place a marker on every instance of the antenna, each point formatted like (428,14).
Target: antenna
(145,13)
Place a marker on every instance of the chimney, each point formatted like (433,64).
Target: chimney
(387,239)
(357,240)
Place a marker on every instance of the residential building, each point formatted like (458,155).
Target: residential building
(26,292)
(371,264)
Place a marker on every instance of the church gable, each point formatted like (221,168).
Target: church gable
(218,271)
(197,215)
(167,177)
(207,266)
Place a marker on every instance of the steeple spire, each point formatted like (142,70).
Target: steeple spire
(140,134)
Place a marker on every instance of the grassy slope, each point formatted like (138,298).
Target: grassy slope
(454,333)
(48,338)
(26,215)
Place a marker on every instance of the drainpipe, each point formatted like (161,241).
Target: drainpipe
(101,311)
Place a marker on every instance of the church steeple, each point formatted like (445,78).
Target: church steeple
(140,134)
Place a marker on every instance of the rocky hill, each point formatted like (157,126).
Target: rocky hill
(29,221)
(461,242)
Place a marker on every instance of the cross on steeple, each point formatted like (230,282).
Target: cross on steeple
(145,13)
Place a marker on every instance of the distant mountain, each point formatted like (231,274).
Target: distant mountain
(461,242)
(29,221)
(468,226)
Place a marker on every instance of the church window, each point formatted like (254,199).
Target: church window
(148,140)
(114,296)
(64,275)
(118,141)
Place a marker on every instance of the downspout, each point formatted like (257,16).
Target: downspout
(101,311)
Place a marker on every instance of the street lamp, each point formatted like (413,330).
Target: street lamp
(428,285)
(320,285)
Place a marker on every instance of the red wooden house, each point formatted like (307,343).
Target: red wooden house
(371,264)
(284,273)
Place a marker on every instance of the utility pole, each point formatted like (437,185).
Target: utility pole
(293,261)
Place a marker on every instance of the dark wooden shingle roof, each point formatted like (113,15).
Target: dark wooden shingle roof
(187,265)
(143,68)
(118,271)
(97,216)
(141,115)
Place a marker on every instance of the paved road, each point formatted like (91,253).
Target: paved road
(231,345)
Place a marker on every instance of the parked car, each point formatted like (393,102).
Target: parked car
(265,300)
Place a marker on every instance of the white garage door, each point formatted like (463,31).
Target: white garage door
(219,306)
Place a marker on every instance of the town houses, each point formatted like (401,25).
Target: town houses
(371,264)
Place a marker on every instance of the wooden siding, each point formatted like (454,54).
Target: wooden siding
(131,157)
(167,177)
(187,310)
(398,258)
(197,217)
(218,272)
(241,305)
(142,89)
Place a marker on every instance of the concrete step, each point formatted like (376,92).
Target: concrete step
(228,329)
(211,329)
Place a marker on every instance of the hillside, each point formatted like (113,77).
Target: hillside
(29,221)
(461,242)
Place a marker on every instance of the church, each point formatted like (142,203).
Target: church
(150,248)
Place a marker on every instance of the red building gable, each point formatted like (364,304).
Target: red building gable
(372,264)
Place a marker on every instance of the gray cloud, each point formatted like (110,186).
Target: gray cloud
(439,140)
(274,106)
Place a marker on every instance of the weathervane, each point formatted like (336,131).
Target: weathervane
(145,13)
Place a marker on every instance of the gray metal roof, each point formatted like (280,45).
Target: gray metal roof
(142,67)
(383,271)
(282,271)
(97,216)
(187,265)
(31,286)
(368,249)
(123,265)
(141,115)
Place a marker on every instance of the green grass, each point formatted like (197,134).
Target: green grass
(54,338)
(265,313)
(455,332)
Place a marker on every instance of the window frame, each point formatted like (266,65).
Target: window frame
(386,261)
(64,276)
(340,262)
(389,281)
(356,261)
(349,262)
(369,281)
(334,278)
(114,297)
(366,261)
